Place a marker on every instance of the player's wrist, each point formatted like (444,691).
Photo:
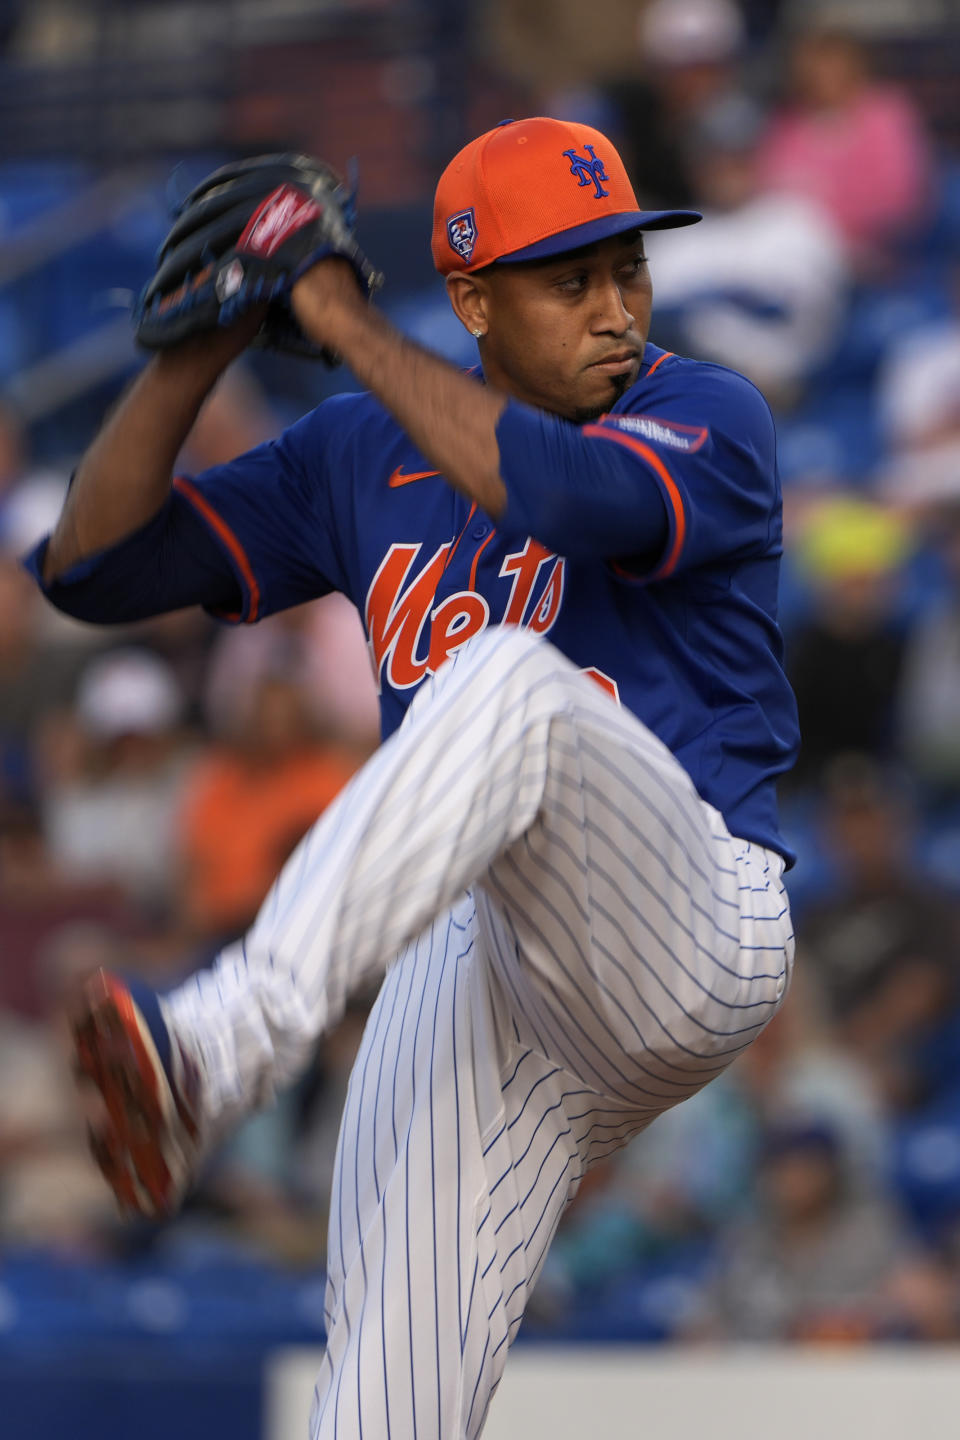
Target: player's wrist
(205,356)
(327,301)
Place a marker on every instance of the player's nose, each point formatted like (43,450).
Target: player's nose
(611,315)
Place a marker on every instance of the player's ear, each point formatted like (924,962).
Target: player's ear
(469,300)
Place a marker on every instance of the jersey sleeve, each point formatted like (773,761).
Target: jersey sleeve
(243,540)
(705,451)
(171,561)
(271,514)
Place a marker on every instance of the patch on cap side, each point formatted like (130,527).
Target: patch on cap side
(462,233)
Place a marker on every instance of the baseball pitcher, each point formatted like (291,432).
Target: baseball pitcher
(565,858)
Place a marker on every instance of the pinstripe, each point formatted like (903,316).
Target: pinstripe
(357,1197)
(413,1087)
(477,1384)
(536,1085)
(513,1076)
(509,972)
(473,1285)
(339,1171)
(418,778)
(509,1257)
(579,943)
(433,1192)
(383,1322)
(553,1145)
(591,1010)
(650,772)
(393,991)
(570,1048)
(546,1203)
(604,759)
(603,988)
(674,956)
(456,1104)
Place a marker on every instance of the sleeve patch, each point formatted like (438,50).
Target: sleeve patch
(685,438)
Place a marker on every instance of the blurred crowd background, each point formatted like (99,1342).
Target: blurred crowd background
(153,778)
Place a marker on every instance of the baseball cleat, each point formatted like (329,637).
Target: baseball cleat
(148,1140)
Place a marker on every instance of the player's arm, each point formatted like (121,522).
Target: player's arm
(124,478)
(528,470)
(662,495)
(450,418)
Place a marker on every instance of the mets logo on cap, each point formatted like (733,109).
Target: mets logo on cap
(462,233)
(587,170)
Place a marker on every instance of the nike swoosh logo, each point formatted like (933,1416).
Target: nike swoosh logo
(399,478)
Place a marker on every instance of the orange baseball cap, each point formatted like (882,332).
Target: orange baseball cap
(528,189)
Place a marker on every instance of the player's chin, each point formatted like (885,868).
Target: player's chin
(599,392)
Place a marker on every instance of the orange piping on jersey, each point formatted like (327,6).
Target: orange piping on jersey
(473,511)
(473,567)
(222,529)
(667,355)
(669,485)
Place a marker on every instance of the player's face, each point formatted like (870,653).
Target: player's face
(567,334)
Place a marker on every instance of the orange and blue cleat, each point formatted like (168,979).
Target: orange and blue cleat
(148,1140)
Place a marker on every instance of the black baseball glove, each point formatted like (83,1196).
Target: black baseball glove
(243,236)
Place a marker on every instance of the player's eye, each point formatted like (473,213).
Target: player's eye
(571,284)
(633,267)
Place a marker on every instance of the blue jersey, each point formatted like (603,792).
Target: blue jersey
(646,545)
(687,639)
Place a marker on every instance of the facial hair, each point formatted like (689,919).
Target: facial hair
(586,414)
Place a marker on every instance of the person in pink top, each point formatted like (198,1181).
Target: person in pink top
(855,145)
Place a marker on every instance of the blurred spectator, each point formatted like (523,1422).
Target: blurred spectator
(800,1067)
(670,1189)
(269,1185)
(13,458)
(235,418)
(870,19)
(566,52)
(681,1183)
(35,676)
(845,660)
(884,946)
(918,402)
(821,1260)
(690,52)
(113,815)
(850,143)
(36,902)
(930,685)
(321,1096)
(760,283)
(323,647)
(250,799)
(51,1193)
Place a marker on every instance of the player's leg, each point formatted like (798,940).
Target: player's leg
(509,756)
(512,765)
(637,943)
(419,1250)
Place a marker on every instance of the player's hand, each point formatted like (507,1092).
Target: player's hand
(243,238)
(219,346)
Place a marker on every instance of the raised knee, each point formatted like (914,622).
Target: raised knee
(511,641)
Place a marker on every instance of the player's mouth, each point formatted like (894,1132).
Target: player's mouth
(620,363)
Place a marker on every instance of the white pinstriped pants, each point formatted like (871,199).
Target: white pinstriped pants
(581,945)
